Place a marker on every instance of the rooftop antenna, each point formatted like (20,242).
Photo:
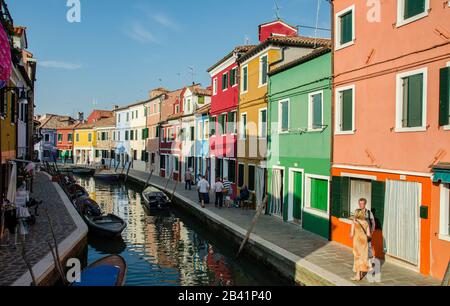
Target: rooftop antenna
(277,10)
(317,24)
(247,40)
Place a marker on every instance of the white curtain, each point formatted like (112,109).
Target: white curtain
(259,186)
(401,220)
(276,191)
(360,189)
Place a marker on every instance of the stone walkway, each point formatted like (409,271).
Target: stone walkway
(12,266)
(332,257)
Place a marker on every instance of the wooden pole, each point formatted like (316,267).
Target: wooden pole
(128,172)
(446,281)
(168,180)
(253,224)
(149,178)
(174,190)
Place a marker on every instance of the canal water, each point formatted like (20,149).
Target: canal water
(169,249)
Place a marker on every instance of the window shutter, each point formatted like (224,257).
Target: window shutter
(285,116)
(378,198)
(415,100)
(413,8)
(317,111)
(347,27)
(444,105)
(340,197)
(347,110)
(13,107)
(2,102)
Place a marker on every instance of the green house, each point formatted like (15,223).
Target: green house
(300,127)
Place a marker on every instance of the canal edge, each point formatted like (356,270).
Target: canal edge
(71,246)
(287,264)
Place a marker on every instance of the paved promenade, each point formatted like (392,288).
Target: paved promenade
(310,253)
(13,270)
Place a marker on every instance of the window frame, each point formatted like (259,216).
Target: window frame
(447,127)
(260,130)
(338,15)
(280,116)
(401,21)
(444,233)
(307,201)
(248,177)
(215,86)
(244,77)
(261,84)
(225,81)
(399,101)
(311,111)
(338,117)
(238,175)
(235,80)
(243,129)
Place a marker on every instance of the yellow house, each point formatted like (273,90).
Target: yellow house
(84,144)
(8,121)
(274,51)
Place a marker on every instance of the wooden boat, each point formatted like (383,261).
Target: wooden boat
(109,271)
(83,171)
(75,191)
(108,226)
(155,199)
(107,175)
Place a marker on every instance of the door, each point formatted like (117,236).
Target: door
(298,196)
(277,193)
(401,220)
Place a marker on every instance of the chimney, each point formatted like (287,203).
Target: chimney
(81,117)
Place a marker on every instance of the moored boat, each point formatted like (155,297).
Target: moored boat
(109,271)
(155,199)
(107,175)
(76,191)
(83,171)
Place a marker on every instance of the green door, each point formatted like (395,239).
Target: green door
(298,195)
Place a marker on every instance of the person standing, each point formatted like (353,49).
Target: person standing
(360,234)
(188,179)
(218,189)
(370,219)
(227,191)
(203,189)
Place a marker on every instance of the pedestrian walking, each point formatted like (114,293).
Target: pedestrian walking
(188,178)
(360,234)
(218,189)
(203,188)
(227,191)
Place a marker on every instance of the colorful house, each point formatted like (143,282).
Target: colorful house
(85,143)
(279,44)
(391,131)
(121,136)
(105,145)
(139,134)
(300,128)
(64,145)
(202,144)
(224,104)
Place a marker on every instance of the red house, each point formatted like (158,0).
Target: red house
(224,104)
(64,143)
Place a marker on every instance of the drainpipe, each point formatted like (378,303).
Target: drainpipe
(332,112)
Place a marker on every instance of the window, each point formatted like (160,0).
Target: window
(243,125)
(262,132)
(200,130)
(131,135)
(128,117)
(176,164)
(411,10)
(60,137)
(126,135)
(232,171)
(192,133)
(3,106)
(77,137)
(241,175)
(90,137)
(444,232)
(134,155)
(232,123)
(222,124)
(47,137)
(233,77)
(283,116)
(244,79)
(263,69)
(345,25)
(360,189)
(145,133)
(411,101)
(224,81)
(317,195)
(177,109)
(209,130)
(162,162)
(145,111)
(201,100)
(215,86)
(444,104)
(70,137)
(251,177)
(13,102)
(211,127)
(345,120)
(315,113)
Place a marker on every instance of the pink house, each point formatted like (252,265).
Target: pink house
(392,131)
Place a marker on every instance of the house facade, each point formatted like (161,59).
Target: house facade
(85,143)
(274,50)
(121,136)
(391,131)
(105,146)
(299,182)
(224,104)
(64,143)
(202,144)
(138,135)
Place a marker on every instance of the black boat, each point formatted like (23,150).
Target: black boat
(155,199)
(108,226)
(83,171)
(76,191)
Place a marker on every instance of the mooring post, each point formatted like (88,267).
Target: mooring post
(253,224)
(174,190)
(149,178)
(128,172)
(168,180)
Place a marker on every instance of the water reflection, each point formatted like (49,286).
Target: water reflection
(167,249)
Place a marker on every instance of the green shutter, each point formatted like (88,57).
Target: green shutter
(413,8)
(346,27)
(264,70)
(317,111)
(285,116)
(340,197)
(347,110)
(413,101)
(444,105)
(245,77)
(378,198)
(319,194)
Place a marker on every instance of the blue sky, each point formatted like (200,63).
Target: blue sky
(122,49)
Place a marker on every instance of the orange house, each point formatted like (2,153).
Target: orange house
(391,140)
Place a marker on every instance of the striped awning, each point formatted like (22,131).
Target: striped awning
(441,173)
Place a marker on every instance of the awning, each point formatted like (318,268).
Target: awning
(441,173)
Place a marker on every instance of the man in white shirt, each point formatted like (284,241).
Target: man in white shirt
(218,189)
(203,189)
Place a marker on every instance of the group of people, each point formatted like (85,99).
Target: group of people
(222,190)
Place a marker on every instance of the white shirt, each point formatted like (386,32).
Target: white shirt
(203,186)
(218,187)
